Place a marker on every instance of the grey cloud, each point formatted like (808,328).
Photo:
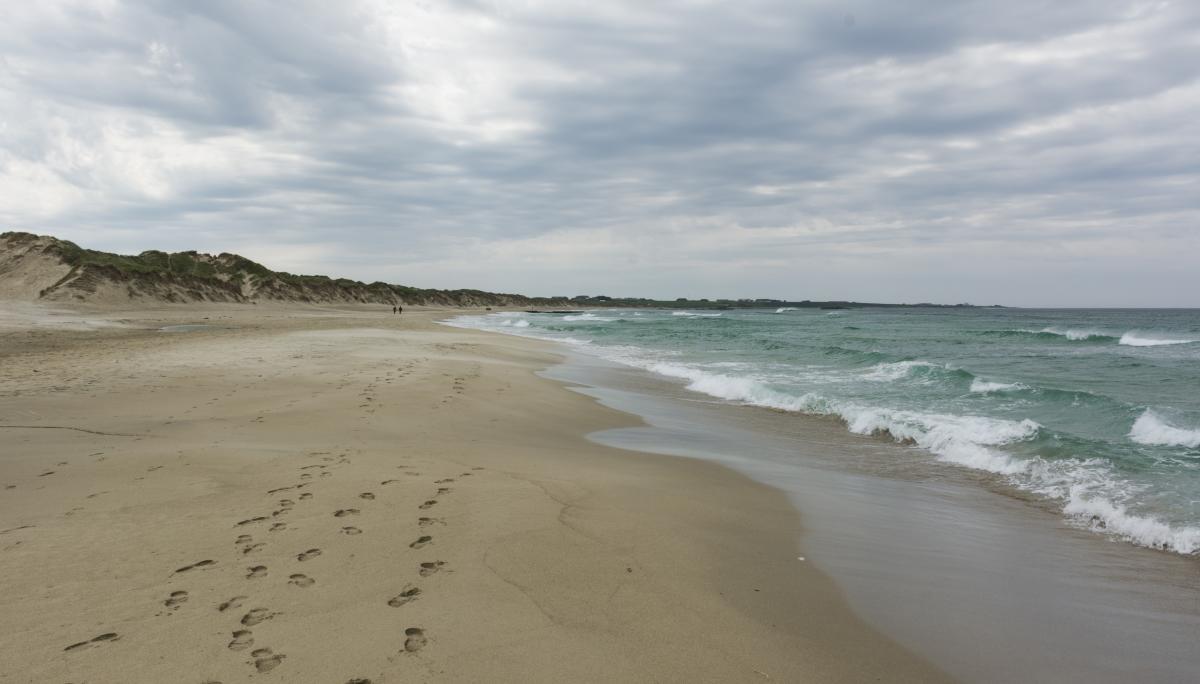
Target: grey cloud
(770,143)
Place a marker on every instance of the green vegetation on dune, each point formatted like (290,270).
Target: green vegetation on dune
(195,276)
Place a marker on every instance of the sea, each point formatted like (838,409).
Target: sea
(1093,414)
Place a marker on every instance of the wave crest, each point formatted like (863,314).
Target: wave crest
(587,318)
(1152,430)
(986,387)
(1135,339)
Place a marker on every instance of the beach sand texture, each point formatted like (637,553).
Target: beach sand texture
(318,495)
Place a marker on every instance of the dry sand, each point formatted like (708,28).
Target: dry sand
(318,495)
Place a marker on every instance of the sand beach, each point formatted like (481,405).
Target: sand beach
(233,493)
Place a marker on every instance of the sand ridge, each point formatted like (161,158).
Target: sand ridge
(369,498)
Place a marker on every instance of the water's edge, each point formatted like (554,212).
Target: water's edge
(987,586)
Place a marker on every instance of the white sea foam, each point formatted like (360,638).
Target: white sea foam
(1100,514)
(890,372)
(784,309)
(1092,496)
(1151,429)
(1136,339)
(1091,493)
(985,387)
(693,314)
(587,317)
(1072,334)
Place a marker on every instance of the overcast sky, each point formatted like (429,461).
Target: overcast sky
(1021,152)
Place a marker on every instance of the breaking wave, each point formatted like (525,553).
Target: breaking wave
(986,387)
(1131,338)
(587,318)
(1091,495)
(1134,339)
(1152,430)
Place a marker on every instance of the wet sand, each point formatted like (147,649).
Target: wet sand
(303,494)
(947,561)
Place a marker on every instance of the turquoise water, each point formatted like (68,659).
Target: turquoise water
(1097,411)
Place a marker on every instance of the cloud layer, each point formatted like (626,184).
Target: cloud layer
(1021,152)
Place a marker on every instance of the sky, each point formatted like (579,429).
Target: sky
(1024,152)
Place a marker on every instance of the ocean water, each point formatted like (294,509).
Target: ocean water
(1096,412)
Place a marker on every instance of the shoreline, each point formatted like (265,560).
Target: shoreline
(561,558)
(960,573)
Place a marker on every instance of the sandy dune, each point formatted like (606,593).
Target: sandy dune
(307,495)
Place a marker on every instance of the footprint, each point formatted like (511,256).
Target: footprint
(251,548)
(443,490)
(265,660)
(243,539)
(251,521)
(277,526)
(367,495)
(351,531)
(110,636)
(306,496)
(302,581)
(256,615)
(286,503)
(242,639)
(409,594)
(425,522)
(421,541)
(415,640)
(176,599)
(427,505)
(235,602)
(358,680)
(256,572)
(311,553)
(431,567)
(201,564)
(388,482)
(444,481)
(343,512)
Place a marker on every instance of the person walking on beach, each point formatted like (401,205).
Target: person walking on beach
(400,309)
(393,310)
